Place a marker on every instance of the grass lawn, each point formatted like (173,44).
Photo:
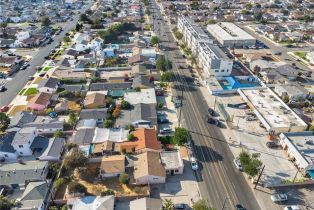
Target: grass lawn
(47,68)
(301,54)
(22,92)
(30,91)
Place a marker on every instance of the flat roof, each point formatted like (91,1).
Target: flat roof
(304,143)
(274,111)
(213,50)
(229,31)
(171,159)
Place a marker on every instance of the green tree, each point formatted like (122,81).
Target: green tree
(250,163)
(154,40)
(167,205)
(67,39)
(3,25)
(178,35)
(249,6)
(84,17)
(258,16)
(124,178)
(72,119)
(181,136)
(59,182)
(5,203)
(311,128)
(125,105)
(75,159)
(45,21)
(58,134)
(108,123)
(201,204)
(211,21)
(4,122)
(163,64)
(131,137)
(75,187)
(166,76)
(130,127)
(107,192)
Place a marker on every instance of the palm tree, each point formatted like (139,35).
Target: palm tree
(168,205)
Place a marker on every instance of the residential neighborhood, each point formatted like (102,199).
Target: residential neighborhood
(152,104)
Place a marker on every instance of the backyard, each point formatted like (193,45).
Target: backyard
(28,91)
(301,54)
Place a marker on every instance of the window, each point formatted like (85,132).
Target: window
(155,178)
(167,171)
(5,155)
(216,70)
(176,170)
(21,153)
(222,70)
(20,146)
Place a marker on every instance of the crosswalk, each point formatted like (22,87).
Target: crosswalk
(3,82)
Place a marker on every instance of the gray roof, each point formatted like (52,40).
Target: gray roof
(73,88)
(142,81)
(34,195)
(49,83)
(83,136)
(5,143)
(21,137)
(93,113)
(110,86)
(43,146)
(45,123)
(18,173)
(140,111)
(287,70)
(21,118)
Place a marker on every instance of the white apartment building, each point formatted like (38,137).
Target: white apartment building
(210,57)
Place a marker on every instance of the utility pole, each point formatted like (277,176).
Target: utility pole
(224,204)
(215,103)
(295,176)
(259,177)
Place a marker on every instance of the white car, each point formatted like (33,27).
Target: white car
(194,164)
(295,207)
(165,130)
(237,163)
(280,197)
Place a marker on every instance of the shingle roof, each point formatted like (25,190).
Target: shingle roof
(83,136)
(22,136)
(34,195)
(142,81)
(148,163)
(5,143)
(49,82)
(97,99)
(18,173)
(93,113)
(113,164)
(21,118)
(41,98)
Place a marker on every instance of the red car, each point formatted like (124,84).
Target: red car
(159,93)
(4,109)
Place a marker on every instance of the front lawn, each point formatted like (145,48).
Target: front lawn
(30,91)
(47,68)
(301,54)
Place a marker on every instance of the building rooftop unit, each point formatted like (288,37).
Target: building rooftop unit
(229,31)
(272,110)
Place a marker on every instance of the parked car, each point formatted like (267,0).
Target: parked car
(272,144)
(214,121)
(294,207)
(194,164)
(277,53)
(165,130)
(237,163)
(4,108)
(161,113)
(239,207)
(280,197)
(30,78)
(180,206)
(162,119)
(24,66)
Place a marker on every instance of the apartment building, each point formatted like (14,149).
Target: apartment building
(210,57)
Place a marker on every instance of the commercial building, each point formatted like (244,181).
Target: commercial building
(172,162)
(272,111)
(230,35)
(210,57)
(300,149)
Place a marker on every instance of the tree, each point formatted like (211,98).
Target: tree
(3,25)
(130,127)
(45,21)
(84,17)
(166,76)
(163,64)
(178,35)
(72,119)
(74,160)
(58,183)
(5,203)
(167,205)
(154,40)
(58,134)
(75,187)
(4,122)
(181,136)
(258,16)
(124,178)
(201,204)
(211,21)
(67,39)
(116,112)
(248,6)
(107,192)
(108,124)
(131,137)
(250,163)
(125,105)
(311,128)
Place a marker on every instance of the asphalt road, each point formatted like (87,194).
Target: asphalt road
(219,182)
(21,78)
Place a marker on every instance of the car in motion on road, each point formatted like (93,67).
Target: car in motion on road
(194,164)
(238,164)
(280,197)
(294,207)
(216,122)
(239,207)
